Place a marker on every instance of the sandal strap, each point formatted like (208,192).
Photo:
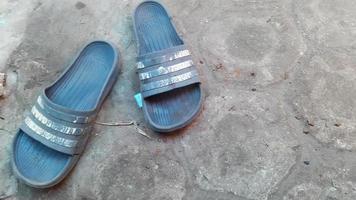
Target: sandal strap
(55,133)
(166,70)
(65,114)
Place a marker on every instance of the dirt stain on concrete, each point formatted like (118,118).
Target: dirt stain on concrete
(80,5)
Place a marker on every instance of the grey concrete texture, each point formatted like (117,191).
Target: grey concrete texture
(278,120)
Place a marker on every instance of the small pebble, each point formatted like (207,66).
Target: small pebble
(310,123)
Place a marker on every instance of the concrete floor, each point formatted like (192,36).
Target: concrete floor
(278,119)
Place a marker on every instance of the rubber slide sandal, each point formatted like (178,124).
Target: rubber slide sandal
(53,135)
(169,81)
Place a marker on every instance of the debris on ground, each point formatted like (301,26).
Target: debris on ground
(310,123)
(218,67)
(237,73)
(2,84)
(337,124)
(232,108)
(126,123)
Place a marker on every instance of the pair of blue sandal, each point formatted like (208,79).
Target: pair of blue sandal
(54,134)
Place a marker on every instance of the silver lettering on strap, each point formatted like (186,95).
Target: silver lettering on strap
(178,54)
(40,102)
(49,136)
(169,81)
(54,125)
(140,65)
(165,70)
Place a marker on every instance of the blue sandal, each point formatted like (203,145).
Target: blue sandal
(54,134)
(170,85)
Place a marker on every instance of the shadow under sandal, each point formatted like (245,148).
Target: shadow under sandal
(170,84)
(54,134)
